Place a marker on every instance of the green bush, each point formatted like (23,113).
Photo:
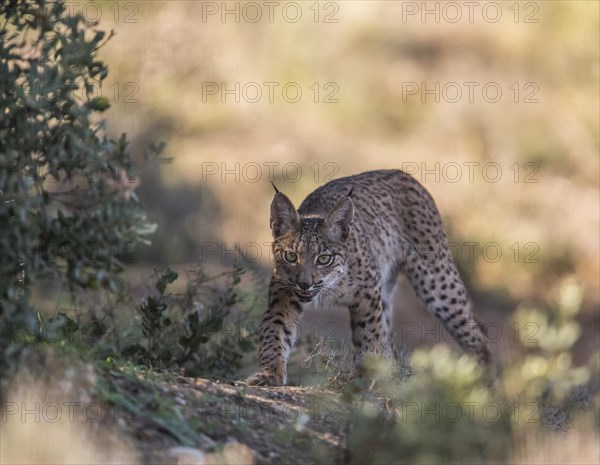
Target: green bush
(194,331)
(443,413)
(67,203)
(203,331)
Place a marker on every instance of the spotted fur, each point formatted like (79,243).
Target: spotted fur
(346,245)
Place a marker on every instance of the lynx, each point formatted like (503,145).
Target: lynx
(346,245)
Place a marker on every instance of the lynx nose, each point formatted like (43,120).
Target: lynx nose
(303,285)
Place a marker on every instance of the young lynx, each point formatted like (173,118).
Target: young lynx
(346,245)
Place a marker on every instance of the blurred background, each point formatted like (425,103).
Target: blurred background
(494,107)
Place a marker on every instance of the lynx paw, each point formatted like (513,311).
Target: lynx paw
(265,378)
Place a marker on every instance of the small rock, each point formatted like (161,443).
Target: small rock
(187,455)
(236,453)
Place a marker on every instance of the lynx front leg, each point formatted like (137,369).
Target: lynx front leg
(278,332)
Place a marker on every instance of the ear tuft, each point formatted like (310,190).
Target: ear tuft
(339,220)
(284,217)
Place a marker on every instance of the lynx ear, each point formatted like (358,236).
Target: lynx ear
(284,217)
(339,220)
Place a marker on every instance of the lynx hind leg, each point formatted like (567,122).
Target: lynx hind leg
(438,285)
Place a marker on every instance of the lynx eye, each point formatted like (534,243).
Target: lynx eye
(290,257)
(325,260)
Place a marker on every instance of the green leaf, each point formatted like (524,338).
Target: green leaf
(168,277)
(99,103)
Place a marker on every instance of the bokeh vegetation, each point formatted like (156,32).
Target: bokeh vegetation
(443,414)
(547,149)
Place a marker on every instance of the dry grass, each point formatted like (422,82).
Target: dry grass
(45,424)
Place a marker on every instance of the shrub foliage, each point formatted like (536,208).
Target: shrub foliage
(67,206)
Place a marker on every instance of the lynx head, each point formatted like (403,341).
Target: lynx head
(310,250)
